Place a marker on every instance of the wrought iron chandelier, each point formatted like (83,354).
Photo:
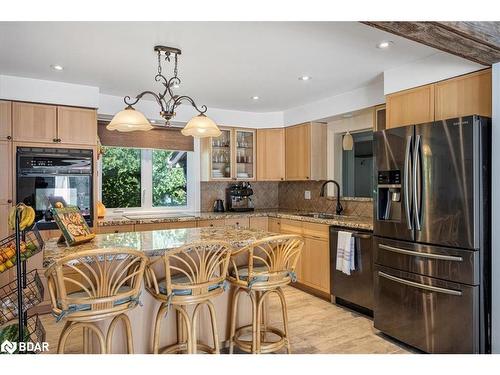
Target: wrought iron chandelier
(132,120)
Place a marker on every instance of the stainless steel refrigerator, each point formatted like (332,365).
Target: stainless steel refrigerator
(432,241)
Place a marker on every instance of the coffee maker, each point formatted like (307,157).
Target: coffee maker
(239,197)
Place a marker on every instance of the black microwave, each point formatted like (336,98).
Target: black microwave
(49,175)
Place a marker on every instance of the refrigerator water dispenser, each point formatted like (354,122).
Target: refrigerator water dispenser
(389,195)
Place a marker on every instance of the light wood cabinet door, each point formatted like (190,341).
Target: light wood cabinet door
(242,222)
(6,168)
(465,95)
(270,154)
(315,264)
(298,152)
(4,226)
(261,223)
(288,226)
(77,125)
(34,122)
(410,107)
(5,120)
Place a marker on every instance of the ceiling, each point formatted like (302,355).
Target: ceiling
(223,64)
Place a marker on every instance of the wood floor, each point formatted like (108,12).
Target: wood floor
(316,326)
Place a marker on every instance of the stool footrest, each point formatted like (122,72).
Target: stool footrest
(265,346)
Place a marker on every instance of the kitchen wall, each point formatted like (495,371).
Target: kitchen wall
(288,195)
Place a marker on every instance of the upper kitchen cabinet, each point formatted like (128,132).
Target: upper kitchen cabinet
(5,120)
(271,154)
(465,95)
(305,152)
(245,154)
(379,117)
(52,124)
(231,156)
(34,122)
(77,125)
(409,107)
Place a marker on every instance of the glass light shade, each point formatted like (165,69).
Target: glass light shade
(347,142)
(129,120)
(201,126)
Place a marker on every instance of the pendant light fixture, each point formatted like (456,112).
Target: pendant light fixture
(130,119)
(347,142)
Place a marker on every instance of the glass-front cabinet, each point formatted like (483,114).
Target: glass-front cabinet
(231,156)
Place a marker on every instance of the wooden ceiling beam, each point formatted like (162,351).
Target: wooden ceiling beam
(475,41)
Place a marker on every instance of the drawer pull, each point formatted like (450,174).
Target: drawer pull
(420,286)
(363,236)
(422,255)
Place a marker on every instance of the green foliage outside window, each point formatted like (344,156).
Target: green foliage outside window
(169,181)
(121,177)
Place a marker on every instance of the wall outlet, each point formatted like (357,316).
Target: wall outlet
(307,194)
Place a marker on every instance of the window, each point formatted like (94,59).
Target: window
(144,178)
(357,166)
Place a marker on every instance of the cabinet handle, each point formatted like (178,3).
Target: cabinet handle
(211,225)
(59,140)
(54,140)
(9,137)
(307,177)
(9,200)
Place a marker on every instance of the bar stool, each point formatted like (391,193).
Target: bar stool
(94,285)
(260,269)
(194,274)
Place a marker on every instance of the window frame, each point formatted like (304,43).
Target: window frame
(192,183)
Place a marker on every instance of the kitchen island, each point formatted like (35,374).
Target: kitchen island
(153,244)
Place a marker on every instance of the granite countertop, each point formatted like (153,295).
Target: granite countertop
(154,243)
(355,222)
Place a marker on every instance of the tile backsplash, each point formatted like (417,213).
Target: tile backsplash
(265,194)
(291,197)
(287,195)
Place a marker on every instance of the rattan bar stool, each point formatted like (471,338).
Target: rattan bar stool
(94,285)
(193,275)
(260,269)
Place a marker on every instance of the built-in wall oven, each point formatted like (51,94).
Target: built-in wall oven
(49,175)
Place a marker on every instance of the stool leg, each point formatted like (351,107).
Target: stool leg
(85,340)
(285,318)
(128,333)
(70,327)
(156,335)
(215,333)
(254,299)
(194,325)
(187,325)
(264,319)
(261,297)
(234,309)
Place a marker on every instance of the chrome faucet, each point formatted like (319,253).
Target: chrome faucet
(338,208)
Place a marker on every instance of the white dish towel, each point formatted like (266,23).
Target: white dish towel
(345,252)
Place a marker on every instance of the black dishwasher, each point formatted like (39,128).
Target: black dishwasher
(354,290)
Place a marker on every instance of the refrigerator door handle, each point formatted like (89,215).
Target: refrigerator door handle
(416,181)
(406,182)
(419,285)
(421,255)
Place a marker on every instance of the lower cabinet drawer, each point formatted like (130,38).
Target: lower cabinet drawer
(211,223)
(239,222)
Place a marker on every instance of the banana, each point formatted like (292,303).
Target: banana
(26,216)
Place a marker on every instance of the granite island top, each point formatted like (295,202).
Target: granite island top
(154,243)
(355,222)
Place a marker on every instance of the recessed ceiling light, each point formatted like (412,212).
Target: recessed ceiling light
(347,115)
(176,85)
(153,121)
(385,44)
(57,67)
(305,78)
(255,97)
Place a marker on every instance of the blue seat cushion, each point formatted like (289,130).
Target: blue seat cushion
(182,279)
(243,272)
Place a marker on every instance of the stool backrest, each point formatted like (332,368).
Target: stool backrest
(270,260)
(104,280)
(193,269)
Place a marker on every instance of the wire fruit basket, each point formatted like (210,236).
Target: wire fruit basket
(32,296)
(33,333)
(30,245)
